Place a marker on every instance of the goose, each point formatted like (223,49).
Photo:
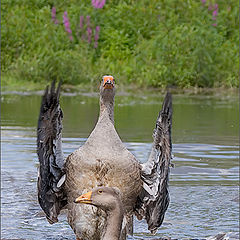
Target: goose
(109,200)
(103,160)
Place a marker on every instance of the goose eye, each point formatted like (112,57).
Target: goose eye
(100,191)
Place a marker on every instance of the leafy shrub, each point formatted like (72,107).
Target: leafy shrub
(148,43)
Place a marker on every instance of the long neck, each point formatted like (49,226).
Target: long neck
(114,224)
(107,108)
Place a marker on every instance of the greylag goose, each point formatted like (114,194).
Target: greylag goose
(109,200)
(102,161)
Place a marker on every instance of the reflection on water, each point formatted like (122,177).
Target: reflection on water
(203,184)
(196,119)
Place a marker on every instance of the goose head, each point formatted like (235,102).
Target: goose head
(107,88)
(106,198)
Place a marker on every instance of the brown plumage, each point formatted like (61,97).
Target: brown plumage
(102,161)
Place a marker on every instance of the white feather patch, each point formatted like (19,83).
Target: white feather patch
(124,222)
(61,181)
(148,189)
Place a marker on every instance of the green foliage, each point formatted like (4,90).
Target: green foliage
(148,43)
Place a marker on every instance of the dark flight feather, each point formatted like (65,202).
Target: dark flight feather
(51,195)
(154,199)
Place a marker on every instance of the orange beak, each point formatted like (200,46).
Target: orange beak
(108,82)
(85,198)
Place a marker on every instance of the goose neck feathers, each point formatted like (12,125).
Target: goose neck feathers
(107,94)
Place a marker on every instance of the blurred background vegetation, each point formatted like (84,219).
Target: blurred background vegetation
(146,43)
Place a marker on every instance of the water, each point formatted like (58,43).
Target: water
(203,184)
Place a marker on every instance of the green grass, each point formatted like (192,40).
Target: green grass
(142,43)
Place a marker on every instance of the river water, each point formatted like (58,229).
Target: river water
(203,184)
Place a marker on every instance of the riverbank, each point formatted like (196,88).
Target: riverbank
(13,86)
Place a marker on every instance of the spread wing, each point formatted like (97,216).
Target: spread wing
(153,201)
(51,195)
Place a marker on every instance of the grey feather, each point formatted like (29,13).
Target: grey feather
(154,199)
(51,197)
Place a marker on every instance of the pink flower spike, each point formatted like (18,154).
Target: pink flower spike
(54,19)
(94,2)
(215,13)
(69,30)
(214,24)
(88,20)
(203,1)
(97,28)
(98,3)
(96,37)
(81,21)
(101,3)
(89,31)
(216,6)
(53,13)
(67,25)
(65,19)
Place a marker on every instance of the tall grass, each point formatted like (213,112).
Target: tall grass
(148,43)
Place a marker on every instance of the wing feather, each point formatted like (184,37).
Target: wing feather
(154,199)
(51,195)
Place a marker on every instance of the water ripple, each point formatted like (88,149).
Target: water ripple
(203,188)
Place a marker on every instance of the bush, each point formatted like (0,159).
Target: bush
(148,43)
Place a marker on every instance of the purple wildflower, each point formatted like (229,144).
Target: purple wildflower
(67,25)
(203,2)
(98,3)
(215,13)
(54,18)
(53,14)
(96,37)
(81,21)
(89,31)
(88,21)
(97,32)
